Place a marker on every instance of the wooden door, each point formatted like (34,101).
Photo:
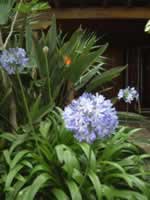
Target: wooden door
(138,75)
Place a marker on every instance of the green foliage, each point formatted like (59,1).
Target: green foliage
(41,159)
(33,6)
(85,69)
(61,168)
(5,10)
(49,79)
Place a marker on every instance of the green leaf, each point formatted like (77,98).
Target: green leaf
(34,110)
(84,62)
(77,176)
(41,112)
(52,36)
(5,10)
(109,165)
(39,57)
(32,190)
(12,175)
(111,193)
(8,136)
(15,189)
(96,183)
(66,155)
(39,169)
(33,6)
(59,194)
(86,149)
(17,158)
(19,140)
(88,76)
(7,156)
(74,190)
(105,77)
(44,128)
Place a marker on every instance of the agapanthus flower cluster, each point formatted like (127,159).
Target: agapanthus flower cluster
(128,94)
(90,117)
(12,59)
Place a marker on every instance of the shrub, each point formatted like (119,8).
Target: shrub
(51,164)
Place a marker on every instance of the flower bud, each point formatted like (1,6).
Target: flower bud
(67,60)
(45,49)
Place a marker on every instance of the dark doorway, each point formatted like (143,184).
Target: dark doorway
(144,73)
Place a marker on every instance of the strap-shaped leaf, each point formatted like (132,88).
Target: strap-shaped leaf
(86,149)
(5,9)
(105,77)
(18,157)
(33,189)
(60,194)
(12,175)
(111,193)
(83,62)
(74,190)
(96,184)
(52,36)
(66,155)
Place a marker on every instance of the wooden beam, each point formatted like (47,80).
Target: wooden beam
(98,13)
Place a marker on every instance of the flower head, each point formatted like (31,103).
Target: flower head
(128,94)
(90,117)
(13,58)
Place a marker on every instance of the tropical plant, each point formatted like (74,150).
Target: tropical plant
(58,69)
(69,65)
(53,165)
(42,159)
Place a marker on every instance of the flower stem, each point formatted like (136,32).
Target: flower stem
(27,110)
(24,100)
(87,168)
(13,111)
(48,79)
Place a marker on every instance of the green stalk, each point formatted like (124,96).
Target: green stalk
(27,110)
(48,79)
(25,101)
(87,168)
(13,111)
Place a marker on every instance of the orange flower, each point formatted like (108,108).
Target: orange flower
(67,60)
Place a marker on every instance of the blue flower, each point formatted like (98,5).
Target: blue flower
(13,58)
(90,117)
(128,94)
